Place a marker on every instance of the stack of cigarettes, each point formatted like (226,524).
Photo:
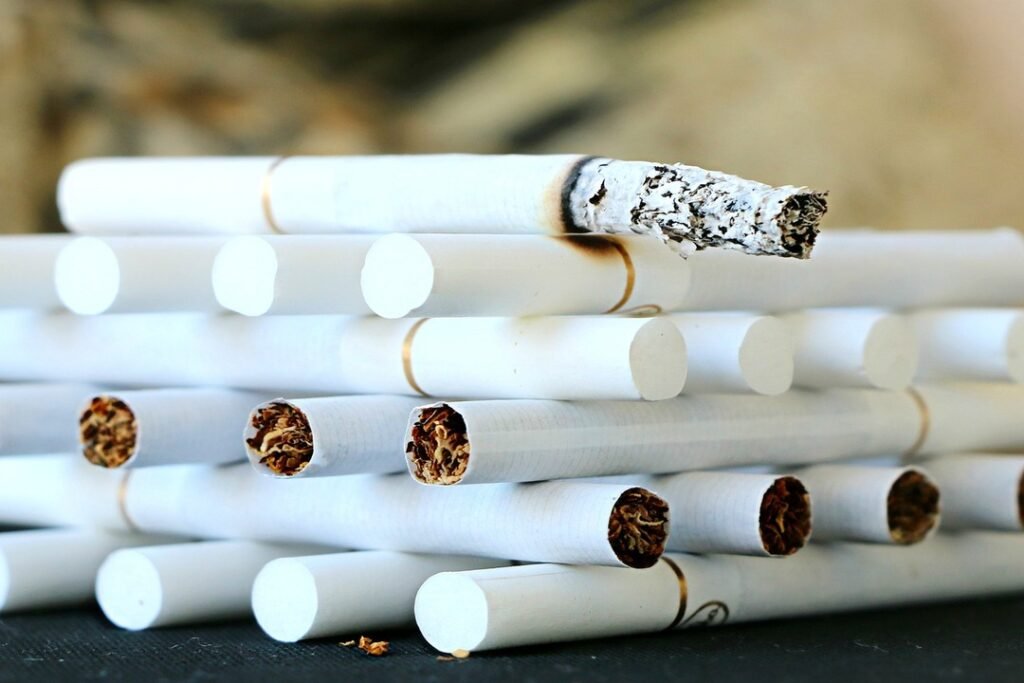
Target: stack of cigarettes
(508,399)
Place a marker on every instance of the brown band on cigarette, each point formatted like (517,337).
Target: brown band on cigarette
(108,431)
(569,225)
(913,507)
(926,422)
(122,501)
(265,195)
(785,519)
(627,290)
(407,356)
(683,592)
(283,439)
(638,528)
(439,448)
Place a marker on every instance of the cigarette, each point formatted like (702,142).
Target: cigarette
(872,504)
(859,268)
(136,274)
(736,353)
(520,275)
(164,427)
(852,348)
(61,490)
(34,417)
(475,442)
(153,586)
(559,358)
(48,568)
(970,344)
(980,491)
(299,274)
(537,604)
(685,206)
(26,271)
(971,416)
(735,512)
(298,598)
(328,436)
(571,522)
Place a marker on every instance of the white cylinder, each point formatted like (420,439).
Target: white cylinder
(165,427)
(26,271)
(970,344)
(736,352)
(980,491)
(520,275)
(37,418)
(852,348)
(55,567)
(872,504)
(298,274)
(963,417)
(183,583)
(298,598)
(138,274)
(329,436)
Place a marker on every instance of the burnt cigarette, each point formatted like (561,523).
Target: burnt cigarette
(137,274)
(26,271)
(318,596)
(328,436)
(983,344)
(897,505)
(572,522)
(687,207)
(34,417)
(520,275)
(164,427)
(980,491)
(489,609)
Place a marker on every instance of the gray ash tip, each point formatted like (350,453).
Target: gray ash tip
(800,220)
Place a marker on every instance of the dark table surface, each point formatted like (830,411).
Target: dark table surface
(981,640)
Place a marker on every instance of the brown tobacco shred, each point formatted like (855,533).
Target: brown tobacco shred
(785,519)
(108,432)
(439,449)
(638,528)
(283,439)
(375,648)
(913,508)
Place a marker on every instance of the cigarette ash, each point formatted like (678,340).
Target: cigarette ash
(108,432)
(785,519)
(283,439)
(913,507)
(638,528)
(439,449)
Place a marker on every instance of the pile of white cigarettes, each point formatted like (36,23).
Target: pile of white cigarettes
(490,396)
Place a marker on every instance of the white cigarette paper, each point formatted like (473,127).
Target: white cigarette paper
(298,274)
(970,344)
(961,417)
(140,274)
(329,436)
(852,348)
(183,583)
(493,441)
(868,268)
(685,206)
(520,275)
(164,426)
(873,504)
(980,491)
(513,606)
(736,353)
(573,522)
(26,271)
(35,418)
(560,358)
(56,567)
(298,598)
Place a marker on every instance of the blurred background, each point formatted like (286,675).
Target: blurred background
(908,112)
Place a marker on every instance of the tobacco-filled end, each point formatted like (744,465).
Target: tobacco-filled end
(785,519)
(282,440)
(638,528)
(108,431)
(913,507)
(438,447)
